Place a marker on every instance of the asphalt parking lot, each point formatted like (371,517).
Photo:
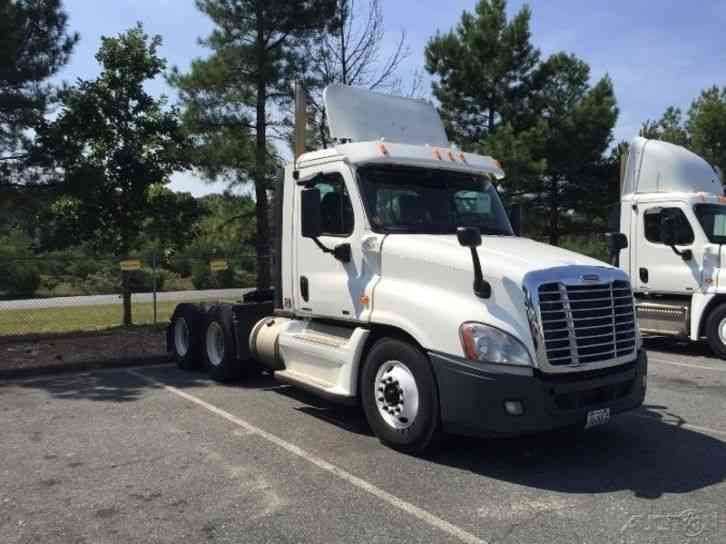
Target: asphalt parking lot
(158,455)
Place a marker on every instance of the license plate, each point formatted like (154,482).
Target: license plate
(597,417)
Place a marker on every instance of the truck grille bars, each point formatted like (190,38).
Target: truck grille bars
(587,323)
(581,317)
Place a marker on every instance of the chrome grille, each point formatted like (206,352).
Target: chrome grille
(586,323)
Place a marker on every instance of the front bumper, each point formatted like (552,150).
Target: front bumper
(472,395)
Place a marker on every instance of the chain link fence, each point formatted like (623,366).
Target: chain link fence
(59,308)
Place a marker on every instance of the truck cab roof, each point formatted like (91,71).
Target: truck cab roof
(375,128)
(654,166)
(382,152)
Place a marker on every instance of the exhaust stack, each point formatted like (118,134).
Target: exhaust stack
(300,119)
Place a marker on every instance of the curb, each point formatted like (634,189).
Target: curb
(82,366)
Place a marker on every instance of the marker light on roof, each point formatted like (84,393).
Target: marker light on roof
(462,157)
(382,148)
(451,156)
(435,152)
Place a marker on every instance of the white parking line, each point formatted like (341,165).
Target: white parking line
(702,367)
(407,507)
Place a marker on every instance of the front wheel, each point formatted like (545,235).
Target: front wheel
(399,395)
(716,331)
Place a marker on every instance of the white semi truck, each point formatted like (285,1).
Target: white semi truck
(400,285)
(670,240)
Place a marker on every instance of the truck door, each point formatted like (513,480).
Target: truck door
(657,268)
(324,286)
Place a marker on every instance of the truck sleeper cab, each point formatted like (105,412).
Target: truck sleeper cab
(673,216)
(376,302)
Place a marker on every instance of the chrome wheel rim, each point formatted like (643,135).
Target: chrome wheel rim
(396,393)
(722,331)
(215,343)
(181,336)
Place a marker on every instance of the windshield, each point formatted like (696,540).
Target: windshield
(713,221)
(429,201)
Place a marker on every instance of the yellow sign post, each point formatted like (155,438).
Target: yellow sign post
(129,265)
(217,265)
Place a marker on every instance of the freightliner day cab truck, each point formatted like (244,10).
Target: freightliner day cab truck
(400,285)
(670,240)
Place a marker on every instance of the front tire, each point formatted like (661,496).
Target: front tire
(399,396)
(219,352)
(716,331)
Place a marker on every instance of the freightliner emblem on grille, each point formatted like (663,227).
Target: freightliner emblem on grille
(590,277)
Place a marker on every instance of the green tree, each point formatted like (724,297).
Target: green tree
(256,49)
(19,274)
(707,126)
(542,119)
(115,143)
(703,131)
(34,45)
(669,128)
(173,224)
(579,126)
(483,70)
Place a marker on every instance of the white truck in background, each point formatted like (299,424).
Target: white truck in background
(670,240)
(401,285)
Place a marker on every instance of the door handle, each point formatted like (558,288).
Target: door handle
(304,291)
(643,273)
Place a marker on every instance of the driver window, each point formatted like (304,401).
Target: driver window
(336,210)
(653,217)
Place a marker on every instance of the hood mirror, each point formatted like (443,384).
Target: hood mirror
(471,237)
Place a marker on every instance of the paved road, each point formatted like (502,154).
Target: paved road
(96,300)
(160,455)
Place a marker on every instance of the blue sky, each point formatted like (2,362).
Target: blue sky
(657,53)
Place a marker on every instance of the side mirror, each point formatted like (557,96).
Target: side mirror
(615,242)
(515,219)
(469,236)
(667,231)
(310,213)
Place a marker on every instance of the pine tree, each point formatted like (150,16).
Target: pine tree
(482,70)
(34,45)
(228,98)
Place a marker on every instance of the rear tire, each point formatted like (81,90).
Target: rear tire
(399,396)
(185,336)
(716,331)
(219,350)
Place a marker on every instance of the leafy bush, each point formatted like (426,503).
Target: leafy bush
(593,246)
(204,278)
(19,279)
(105,282)
(176,283)
(19,273)
(142,280)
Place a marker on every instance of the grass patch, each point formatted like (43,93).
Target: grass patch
(80,318)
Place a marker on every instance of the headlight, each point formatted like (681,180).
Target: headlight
(488,344)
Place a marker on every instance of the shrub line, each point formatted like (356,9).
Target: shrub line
(82,366)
